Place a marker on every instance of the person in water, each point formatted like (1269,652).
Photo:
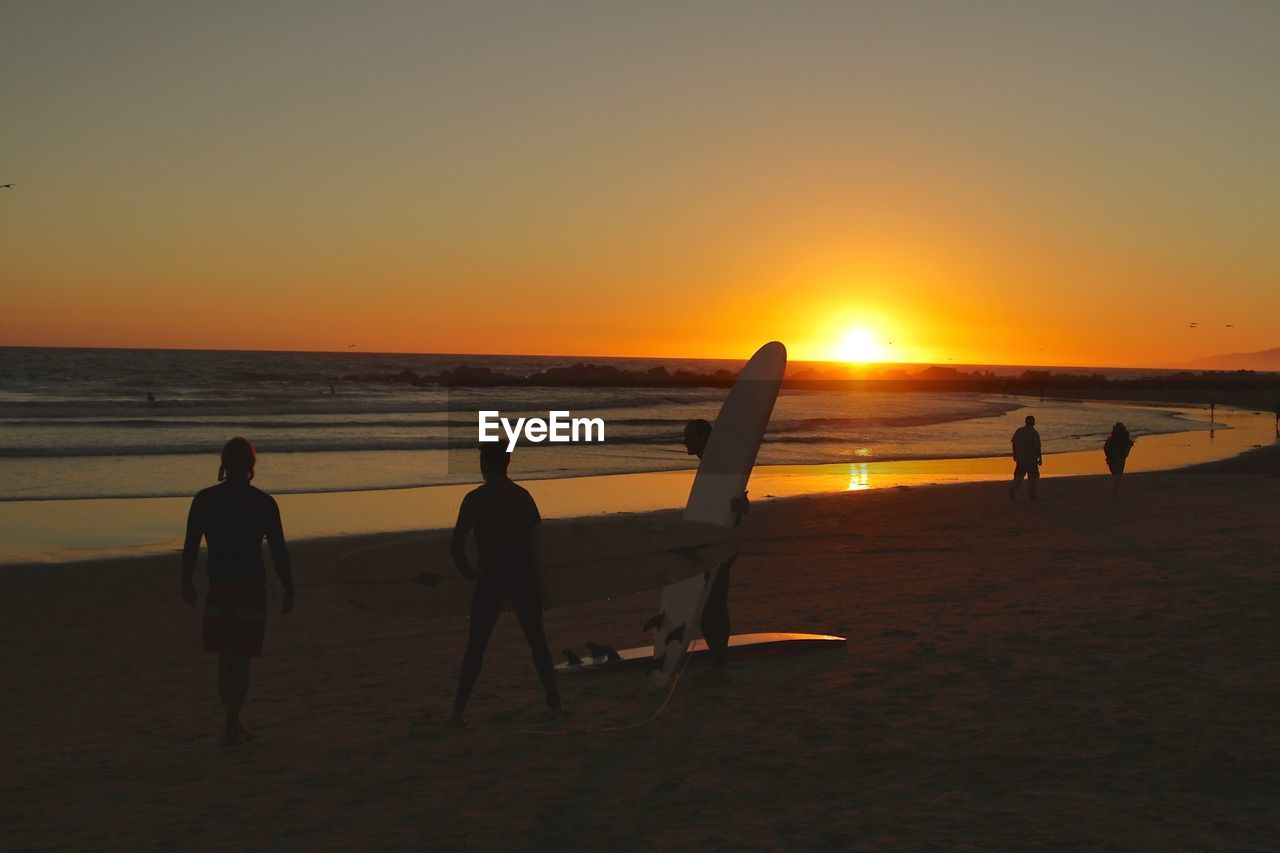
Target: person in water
(503,516)
(1027,458)
(715,623)
(233,518)
(1116,450)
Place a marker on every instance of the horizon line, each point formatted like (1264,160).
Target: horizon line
(848,364)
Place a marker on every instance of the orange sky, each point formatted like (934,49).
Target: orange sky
(996,184)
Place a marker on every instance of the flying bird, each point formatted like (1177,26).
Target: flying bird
(6,186)
(1231,325)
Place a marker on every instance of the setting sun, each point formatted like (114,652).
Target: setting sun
(859,346)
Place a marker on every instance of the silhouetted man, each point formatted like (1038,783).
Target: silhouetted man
(233,517)
(503,516)
(1026,458)
(715,623)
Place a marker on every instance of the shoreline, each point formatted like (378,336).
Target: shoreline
(119,529)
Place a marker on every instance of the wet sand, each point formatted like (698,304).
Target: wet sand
(1080,672)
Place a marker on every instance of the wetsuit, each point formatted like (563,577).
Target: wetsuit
(233,518)
(503,516)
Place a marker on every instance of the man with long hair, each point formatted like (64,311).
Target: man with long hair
(233,518)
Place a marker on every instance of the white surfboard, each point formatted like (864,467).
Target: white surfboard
(722,476)
(596,658)
(578,561)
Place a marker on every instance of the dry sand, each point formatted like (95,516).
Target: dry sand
(1081,672)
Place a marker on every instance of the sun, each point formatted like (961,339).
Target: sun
(859,346)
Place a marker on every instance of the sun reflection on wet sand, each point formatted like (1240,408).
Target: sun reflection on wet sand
(858,479)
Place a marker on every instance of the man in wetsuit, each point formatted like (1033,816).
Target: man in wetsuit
(233,517)
(1027,458)
(715,623)
(503,516)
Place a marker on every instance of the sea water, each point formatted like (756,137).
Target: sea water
(77,423)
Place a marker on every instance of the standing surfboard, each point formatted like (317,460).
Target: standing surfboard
(722,476)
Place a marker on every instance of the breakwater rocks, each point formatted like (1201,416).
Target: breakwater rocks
(1236,388)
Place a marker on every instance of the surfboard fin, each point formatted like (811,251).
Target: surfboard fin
(676,635)
(596,650)
(571,656)
(654,623)
(611,654)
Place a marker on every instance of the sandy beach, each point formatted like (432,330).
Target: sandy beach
(1079,672)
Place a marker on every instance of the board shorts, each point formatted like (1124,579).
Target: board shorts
(235,619)
(1028,469)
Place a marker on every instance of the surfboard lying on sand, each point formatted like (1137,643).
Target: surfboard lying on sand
(578,561)
(595,658)
(722,475)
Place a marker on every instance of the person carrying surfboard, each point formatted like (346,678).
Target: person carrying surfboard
(503,516)
(715,623)
(233,518)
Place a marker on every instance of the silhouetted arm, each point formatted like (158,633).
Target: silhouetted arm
(458,543)
(191,548)
(279,550)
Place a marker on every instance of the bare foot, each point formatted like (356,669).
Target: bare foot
(457,720)
(557,712)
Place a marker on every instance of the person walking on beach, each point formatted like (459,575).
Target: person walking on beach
(503,516)
(233,518)
(715,623)
(1116,449)
(1027,458)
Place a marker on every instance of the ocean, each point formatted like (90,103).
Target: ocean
(78,424)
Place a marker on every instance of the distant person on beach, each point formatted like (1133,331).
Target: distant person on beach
(151,398)
(1116,449)
(233,518)
(715,623)
(503,516)
(1027,458)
